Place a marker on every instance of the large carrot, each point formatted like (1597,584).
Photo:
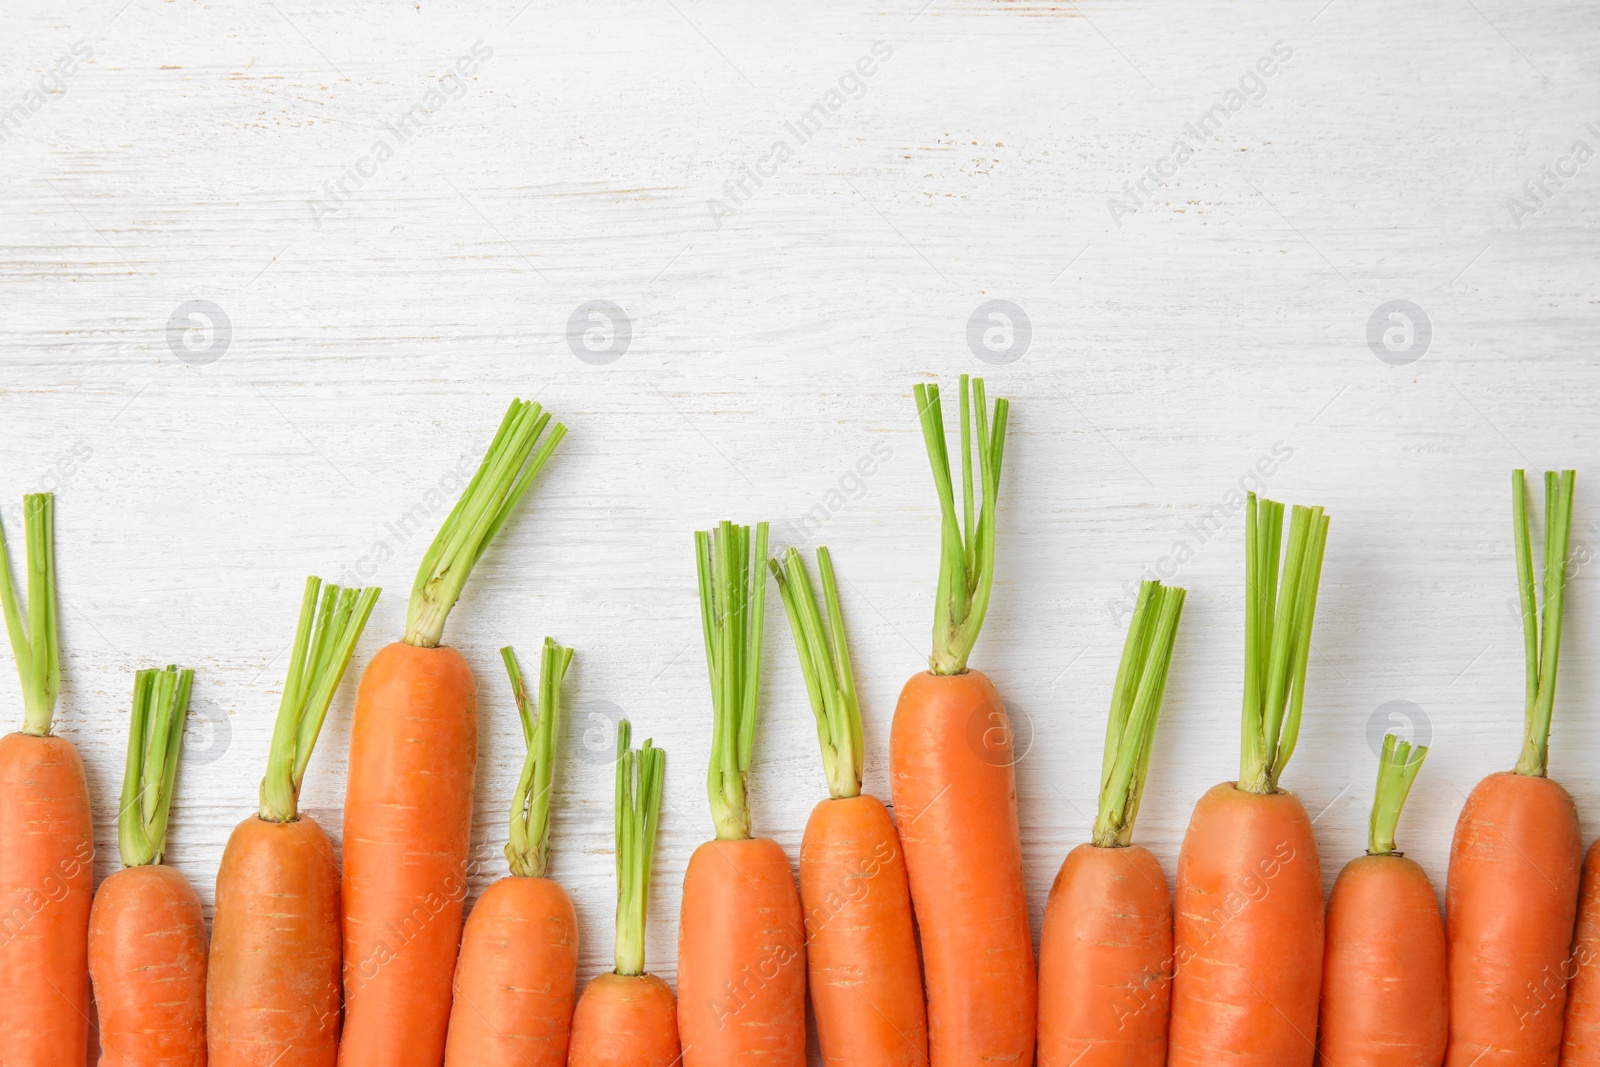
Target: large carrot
(626,1017)
(861,948)
(1385,998)
(147,937)
(1248,908)
(741,938)
(1106,954)
(517,975)
(272,987)
(408,797)
(46,832)
(1511,896)
(954,786)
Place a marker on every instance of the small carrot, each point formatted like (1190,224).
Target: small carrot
(272,985)
(861,948)
(408,792)
(741,937)
(1248,930)
(517,976)
(627,1018)
(1106,954)
(953,780)
(147,937)
(46,832)
(1385,998)
(1511,894)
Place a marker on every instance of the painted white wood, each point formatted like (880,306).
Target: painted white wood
(1183,336)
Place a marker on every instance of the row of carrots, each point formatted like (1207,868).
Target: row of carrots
(909,930)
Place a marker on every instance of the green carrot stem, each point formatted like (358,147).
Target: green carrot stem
(155,739)
(1541,630)
(732,607)
(640,774)
(324,641)
(528,851)
(1397,769)
(35,646)
(966,554)
(1280,607)
(514,459)
(825,663)
(1135,706)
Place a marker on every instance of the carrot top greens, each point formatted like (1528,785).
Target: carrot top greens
(1135,704)
(324,641)
(1397,769)
(966,553)
(35,647)
(732,604)
(640,774)
(507,470)
(155,739)
(528,850)
(825,662)
(1280,606)
(1541,629)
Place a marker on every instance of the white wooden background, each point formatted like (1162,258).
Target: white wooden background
(375,341)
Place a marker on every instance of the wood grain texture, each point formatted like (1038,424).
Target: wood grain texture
(1220,325)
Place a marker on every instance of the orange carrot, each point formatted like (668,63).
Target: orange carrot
(1580,1040)
(517,975)
(1248,930)
(1511,896)
(46,832)
(147,938)
(1106,954)
(1385,997)
(861,948)
(272,988)
(408,795)
(627,1018)
(741,938)
(955,791)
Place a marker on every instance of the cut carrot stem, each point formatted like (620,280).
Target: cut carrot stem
(1398,766)
(45,877)
(517,976)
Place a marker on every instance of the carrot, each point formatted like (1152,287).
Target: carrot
(1106,954)
(1248,929)
(861,948)
(1511,895)
(627,1018)
(1385,997)
(147,938)
(272,986)
(741,937)
(1580,1040)
(954,786)
(46,832)
(518,972)
(408,794)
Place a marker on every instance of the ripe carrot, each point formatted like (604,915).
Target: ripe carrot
(741,937)
(627,1018)
(46,832)
(1385,997)
(1580,1039)
(518,972)
(272,986)
(1106,954)
(861,948)
(954,786)
(147,938)
(1511,896)
(1248,913)
(408,795)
